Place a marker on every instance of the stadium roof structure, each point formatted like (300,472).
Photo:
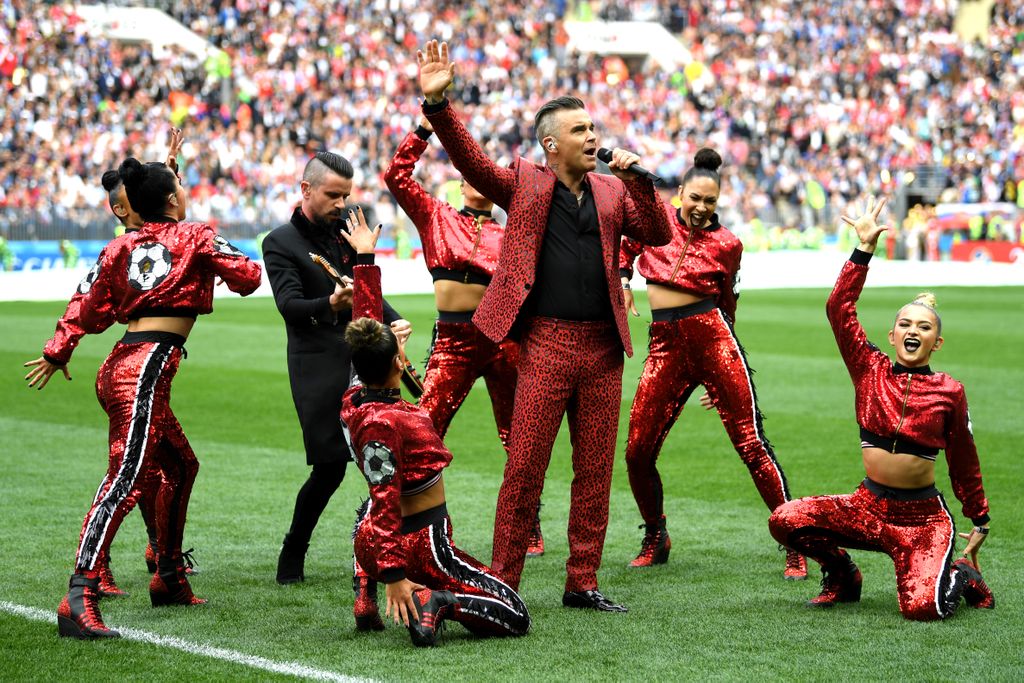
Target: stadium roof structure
(143,25)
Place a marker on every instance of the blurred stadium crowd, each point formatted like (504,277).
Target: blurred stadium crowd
(807,99)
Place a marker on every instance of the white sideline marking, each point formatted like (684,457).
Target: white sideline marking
(287,668)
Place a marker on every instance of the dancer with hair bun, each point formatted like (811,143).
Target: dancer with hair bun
(157,278)
(691,286)
(906,413)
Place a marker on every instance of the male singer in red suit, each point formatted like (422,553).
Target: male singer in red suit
(556,286)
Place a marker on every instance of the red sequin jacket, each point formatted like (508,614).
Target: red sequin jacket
(703,262)
(160,269)
(922,407)
(451,239)
(395,443)
(525,190)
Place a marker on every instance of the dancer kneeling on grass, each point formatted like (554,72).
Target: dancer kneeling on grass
(403,533)
(156,278)
(906,413)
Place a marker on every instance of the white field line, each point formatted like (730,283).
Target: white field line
(253,661)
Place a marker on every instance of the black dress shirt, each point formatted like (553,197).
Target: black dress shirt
(571,282)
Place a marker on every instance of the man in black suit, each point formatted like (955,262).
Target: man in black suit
(316,311)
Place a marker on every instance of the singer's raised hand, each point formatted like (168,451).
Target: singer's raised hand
(436,71)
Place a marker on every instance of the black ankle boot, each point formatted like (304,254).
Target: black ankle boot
(291,563)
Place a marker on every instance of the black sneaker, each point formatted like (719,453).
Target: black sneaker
(431,607)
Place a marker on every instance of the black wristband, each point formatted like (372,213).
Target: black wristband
(982,520)
(423,133)
(983,530)
(364,259)
(626,285)
(53,361)
(861,258)
(429,108)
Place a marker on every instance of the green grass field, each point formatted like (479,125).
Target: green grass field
(719,610)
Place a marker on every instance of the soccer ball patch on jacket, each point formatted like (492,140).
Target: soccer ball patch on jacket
(148,266)
(379,463)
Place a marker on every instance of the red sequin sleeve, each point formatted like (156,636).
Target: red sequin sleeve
(378,453)
(240,273)
(492,181)
(841,309)
(69,329)
(962,460)
(417,203)
(367,301)
(629,250)
(729,292)
(98,307)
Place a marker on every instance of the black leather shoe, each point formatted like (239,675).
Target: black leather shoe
(591,599)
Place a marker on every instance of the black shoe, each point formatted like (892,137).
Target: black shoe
(431,607)
(591,599)
(291,563)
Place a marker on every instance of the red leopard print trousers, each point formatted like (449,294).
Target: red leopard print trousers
(573,368)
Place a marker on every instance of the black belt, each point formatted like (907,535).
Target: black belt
(470,277)
(153,336)
(923,493)
(423,519)
(455,316)
(892,445)
(662,315)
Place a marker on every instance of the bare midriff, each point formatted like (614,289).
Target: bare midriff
(179,326)
(897,470)
(424,500)
(663,296)
(457,297)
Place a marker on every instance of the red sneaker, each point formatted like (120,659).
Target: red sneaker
(656,545)
(79,613)
(839,584)
(796,566)
(432,607)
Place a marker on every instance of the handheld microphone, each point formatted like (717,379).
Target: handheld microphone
(605,155)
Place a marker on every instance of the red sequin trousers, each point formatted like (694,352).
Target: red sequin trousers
(918,535)
(133,387)
(564,367)
(459,355)
(487,606)
(683,354)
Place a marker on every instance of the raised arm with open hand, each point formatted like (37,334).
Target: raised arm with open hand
(436,71)
(867,226)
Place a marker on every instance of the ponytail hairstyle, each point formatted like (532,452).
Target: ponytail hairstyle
(927,299)
(148,186)
(705,165)
(374,347)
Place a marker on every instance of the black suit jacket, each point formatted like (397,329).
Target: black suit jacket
(319,366)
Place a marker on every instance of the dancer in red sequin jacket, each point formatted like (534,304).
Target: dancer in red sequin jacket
(157,279)
(691,287)
(461,250)
(403,532)
(906,413)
